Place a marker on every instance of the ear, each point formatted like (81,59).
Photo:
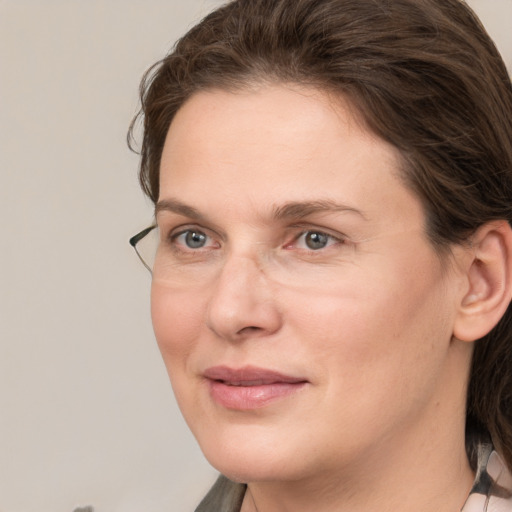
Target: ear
(489,281)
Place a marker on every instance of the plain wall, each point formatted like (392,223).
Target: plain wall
(87,415)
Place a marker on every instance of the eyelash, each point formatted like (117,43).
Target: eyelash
(174,238)
(330,239)
(183,248)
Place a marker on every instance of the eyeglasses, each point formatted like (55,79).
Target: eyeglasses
(145,244)
(166,267)
(191,270)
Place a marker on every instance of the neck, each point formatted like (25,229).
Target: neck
(435,481)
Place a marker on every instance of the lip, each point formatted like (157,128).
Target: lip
(250,387)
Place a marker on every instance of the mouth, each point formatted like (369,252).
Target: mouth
(250,387)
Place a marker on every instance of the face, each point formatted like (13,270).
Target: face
(303,316)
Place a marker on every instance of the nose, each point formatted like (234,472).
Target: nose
(242,304)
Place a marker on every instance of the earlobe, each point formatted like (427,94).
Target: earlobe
(489,278)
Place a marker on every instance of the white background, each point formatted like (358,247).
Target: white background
(87,415)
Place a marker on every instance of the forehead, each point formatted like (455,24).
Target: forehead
(278,143)
(273,117)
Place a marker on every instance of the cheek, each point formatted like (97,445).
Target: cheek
(177,319)
(366,348)
(376,327)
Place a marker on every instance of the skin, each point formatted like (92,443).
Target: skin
(367,320)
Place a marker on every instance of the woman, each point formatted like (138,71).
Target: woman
(332,183)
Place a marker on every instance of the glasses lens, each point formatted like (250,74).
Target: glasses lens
(145,244)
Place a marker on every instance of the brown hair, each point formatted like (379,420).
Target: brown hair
(425,77)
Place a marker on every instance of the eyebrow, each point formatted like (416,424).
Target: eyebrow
(175,206)
(289,210)
(301,209)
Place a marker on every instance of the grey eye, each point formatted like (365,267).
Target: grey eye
(195,239)
(315,240)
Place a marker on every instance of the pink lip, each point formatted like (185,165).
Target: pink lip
(249,387)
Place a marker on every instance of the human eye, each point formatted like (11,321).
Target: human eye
(314,240)
(192,240)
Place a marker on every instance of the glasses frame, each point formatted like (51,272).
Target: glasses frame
(135,239)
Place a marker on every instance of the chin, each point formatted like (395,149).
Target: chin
(248,458)
(245,470)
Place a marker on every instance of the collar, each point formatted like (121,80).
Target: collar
(492,489)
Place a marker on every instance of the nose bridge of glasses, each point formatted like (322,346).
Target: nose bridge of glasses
(250,261)
(246,261)
(241,292)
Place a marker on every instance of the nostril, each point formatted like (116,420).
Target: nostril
(234,312)
(249,329)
